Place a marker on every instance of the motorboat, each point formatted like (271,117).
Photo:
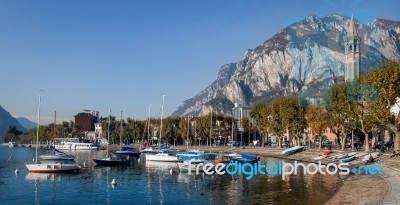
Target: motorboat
(161,157)
(12,144)
(74,144)
(130,151)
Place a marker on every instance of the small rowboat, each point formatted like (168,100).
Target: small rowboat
(352,154)
(374,155)
(348,159)
(293,150)
(326,153)
(361,154)
(320,157)
(337,156)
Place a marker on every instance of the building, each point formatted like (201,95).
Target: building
(85,121)
(352,53)
(238,113)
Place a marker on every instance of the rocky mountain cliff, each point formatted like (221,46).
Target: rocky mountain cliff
(299,59)
(6,120)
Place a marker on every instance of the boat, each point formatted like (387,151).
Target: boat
(293,150)
(336,156)
(361,154)
(246,158)
(352,154)
(348,159)
(74,144)
(161,156)
(12,144)
(57,156)
(112,160)
(327,152)
(46,166)
(130,151)
(374,155)
(191,154)
(320,157)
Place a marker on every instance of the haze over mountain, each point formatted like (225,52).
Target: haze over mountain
(300,59)
(26,123)
(6,120)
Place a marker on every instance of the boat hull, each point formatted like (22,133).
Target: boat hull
(161,158)
(53,168)
(293,150)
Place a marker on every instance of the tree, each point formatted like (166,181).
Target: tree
(387,79)
(317,120)
(340,112)
(260,112)
(370,108)
(283,114)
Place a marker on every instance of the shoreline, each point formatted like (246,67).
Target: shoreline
(355,189)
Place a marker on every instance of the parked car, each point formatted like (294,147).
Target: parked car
(235,143)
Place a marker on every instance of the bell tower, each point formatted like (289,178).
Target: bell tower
(352,53)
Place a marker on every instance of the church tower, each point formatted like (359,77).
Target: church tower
(352,52)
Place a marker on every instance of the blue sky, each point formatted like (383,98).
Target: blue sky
(124,55)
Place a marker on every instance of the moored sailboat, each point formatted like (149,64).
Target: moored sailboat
(50,166)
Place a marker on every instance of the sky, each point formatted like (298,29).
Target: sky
(126,54)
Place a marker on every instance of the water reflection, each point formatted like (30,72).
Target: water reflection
(151,183)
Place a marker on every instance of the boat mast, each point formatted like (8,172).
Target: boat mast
(38,126)
(148,127)
(120,134)
(108,131)
(162,112)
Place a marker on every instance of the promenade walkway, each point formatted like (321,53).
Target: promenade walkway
(392,177)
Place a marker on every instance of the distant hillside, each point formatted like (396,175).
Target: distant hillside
(6,120)
(26,123)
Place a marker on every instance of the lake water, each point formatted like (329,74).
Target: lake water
(145,183)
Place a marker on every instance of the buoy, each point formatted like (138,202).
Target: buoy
(114,182)
(16,171)
(84,164)
(171,171)
(138,160)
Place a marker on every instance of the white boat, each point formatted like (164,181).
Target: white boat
(161,157)
(352,154)
(374,155)
(74,144)
(50,166)
(12,144)
(361,154)
(336,156)
(53,167)
(320,157)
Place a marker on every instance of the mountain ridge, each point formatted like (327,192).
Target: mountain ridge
(306,55)
(6,120)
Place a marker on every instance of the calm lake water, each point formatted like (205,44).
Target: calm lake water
(143,183)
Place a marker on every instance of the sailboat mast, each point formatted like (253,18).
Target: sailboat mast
(148,127)
(120,134)
(38,126)
(162,112)
(108,130)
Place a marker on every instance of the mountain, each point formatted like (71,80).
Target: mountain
(26,123)
(6,120)
(298,60)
